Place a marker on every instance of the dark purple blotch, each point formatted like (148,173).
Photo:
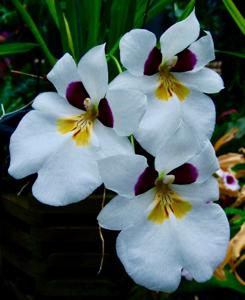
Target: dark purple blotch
(230,179)
(146,181)
(186,61)
(185,174)
(76,94)
(153,62)
(105,114)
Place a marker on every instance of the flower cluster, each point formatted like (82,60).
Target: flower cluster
(75,139)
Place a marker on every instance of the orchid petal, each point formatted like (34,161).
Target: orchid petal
(120,173)
(67,176)
(127,107)
(203,49)
(198,193)
(121,213)
(159,123)
(177,150)
(53,104)
(205,161)
(205,80)
(111,143)
(33,141)
(135,47)
(63,73)
(199,114)
(179,36)
(145,84)
(93,71)
(189,243)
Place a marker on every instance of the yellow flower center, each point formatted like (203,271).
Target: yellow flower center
(169,85)
(167,202)
(81,125)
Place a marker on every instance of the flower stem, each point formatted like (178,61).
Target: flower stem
(32,26)
(101,236)
(131,137)
(3,111)
(4,114)
(27,74)
(119,68)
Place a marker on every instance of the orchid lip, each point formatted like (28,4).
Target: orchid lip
(81,125)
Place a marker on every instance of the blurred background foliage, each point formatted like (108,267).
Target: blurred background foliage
(34,34)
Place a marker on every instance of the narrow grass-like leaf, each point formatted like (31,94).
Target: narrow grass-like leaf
(141,12)
(69,36)
(236,15)
(237,54)
(73,25)
(230,282)
(14,48)
(157,8)
(234,211)
(121,21)
(62,27)
(188,9)
(32,26)
(93,17)
(52,10)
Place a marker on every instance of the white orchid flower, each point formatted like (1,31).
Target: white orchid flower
(174,79)
(65,134)
(169,225)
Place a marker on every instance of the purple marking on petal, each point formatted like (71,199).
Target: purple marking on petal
(185,174)
(186,61)
(153,61)
(230,179)
(76,94)
(146,181)
(105,114)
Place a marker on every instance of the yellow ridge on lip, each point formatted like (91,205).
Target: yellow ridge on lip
(167,202)
(80,125)
(169,85)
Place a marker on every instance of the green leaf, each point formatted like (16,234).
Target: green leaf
(69,36)
(14,48)
(142,9)
(230,282)
(188,9)
(33,28)
(237,54)
(52,10)
(234,211)
(121,19)
(93,18)
(236,15)
(239,167)
(73,15)
(157,8)
(241,126)
(62,27)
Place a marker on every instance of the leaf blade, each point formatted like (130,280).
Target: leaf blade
(235,14)
(15,48)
